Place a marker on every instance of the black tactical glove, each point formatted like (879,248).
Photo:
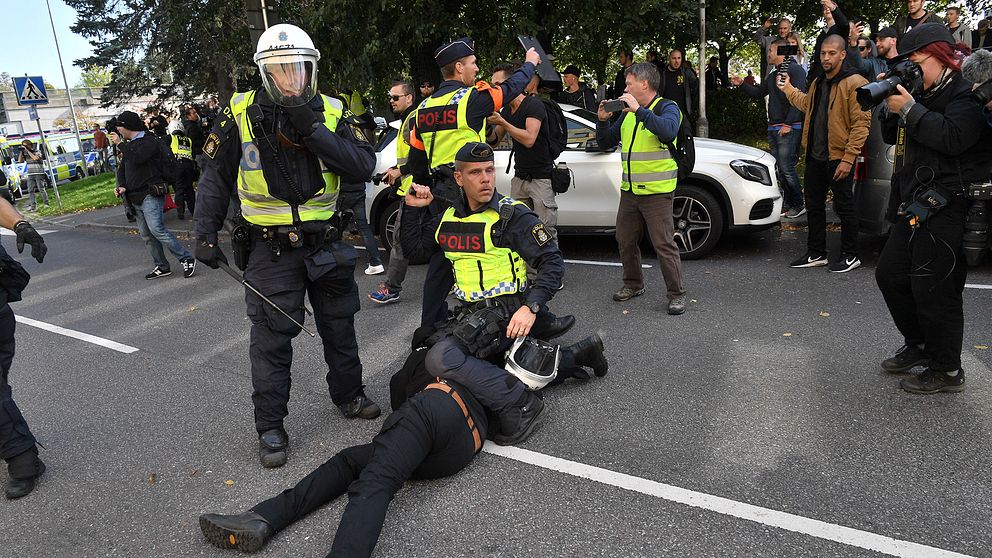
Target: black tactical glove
(303,118)
(27,235)
(208,251)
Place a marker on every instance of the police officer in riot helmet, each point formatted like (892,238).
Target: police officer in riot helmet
(943,148)
(489,240)
(286,148)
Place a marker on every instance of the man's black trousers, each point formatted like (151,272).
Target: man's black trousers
(427,437)
(921,275)
(820,178)
(285,280)
(15,436)
(185,196)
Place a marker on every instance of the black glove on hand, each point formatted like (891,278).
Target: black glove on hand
(303,118)
(209,252)
(27,235)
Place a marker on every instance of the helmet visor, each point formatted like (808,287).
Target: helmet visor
(289,80)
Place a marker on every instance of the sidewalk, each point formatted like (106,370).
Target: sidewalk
(112,218)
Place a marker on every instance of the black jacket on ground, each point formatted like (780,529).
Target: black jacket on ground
(947,134)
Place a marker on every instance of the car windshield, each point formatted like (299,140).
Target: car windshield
(583,113)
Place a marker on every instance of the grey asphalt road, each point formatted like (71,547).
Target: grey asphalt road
(766,392)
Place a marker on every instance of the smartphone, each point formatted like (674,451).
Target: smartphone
(787,50)
(615,105)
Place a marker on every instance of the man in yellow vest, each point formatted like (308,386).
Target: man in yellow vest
(285,148)
(182,148)
(455,114)
(649,177)
(490,239)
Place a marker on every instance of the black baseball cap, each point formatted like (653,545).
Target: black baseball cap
(887,32)
(131,121)
(572,69)
(923,35)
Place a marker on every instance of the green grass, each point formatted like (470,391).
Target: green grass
(88,193)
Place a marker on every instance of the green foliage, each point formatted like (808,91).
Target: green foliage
(95,76)
(87,193)
(732,114)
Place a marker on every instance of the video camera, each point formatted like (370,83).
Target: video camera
(111,125)
(789,52)
(905,73)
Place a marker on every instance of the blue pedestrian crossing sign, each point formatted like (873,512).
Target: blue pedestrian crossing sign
(30,90)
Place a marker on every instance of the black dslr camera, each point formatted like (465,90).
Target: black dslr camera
(983,92)
(111,125)
(905,73)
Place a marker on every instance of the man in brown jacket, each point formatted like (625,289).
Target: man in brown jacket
(834,130)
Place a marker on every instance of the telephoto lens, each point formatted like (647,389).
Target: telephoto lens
(976,224)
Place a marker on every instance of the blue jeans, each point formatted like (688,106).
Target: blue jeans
(154,233)
(786,152)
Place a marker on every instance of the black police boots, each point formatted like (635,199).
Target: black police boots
(519,421)
(247,532)
(589,352)
(24,471)
(273,446)
(360,407)
(556,328)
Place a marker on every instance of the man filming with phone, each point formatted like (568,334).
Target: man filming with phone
(647,126)
(785,122)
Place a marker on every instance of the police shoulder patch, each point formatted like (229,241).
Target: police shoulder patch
(358,133)
(540,234)
(210,145)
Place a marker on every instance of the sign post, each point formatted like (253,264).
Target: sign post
(30,91)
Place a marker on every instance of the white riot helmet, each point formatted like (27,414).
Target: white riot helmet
(533,362)
(175,126)
(287,62)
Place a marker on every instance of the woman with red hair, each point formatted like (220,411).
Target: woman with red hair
(943,145)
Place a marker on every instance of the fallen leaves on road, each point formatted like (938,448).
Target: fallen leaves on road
(981,347)
(229,482)
(625,312)
(192,307)
(152,478)
(824,314)
(787,334)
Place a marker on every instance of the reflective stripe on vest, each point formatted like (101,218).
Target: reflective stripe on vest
(648,166)
(257,206)
(448,115)
(403,153)
(482,270)
(182,147)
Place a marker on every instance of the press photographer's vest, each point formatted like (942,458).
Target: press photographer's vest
(403,153)
(257,206)
(648,166)
(443,126)
(482,270)
(182,147)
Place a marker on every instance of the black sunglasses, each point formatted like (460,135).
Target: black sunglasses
(396,97)
(863,48)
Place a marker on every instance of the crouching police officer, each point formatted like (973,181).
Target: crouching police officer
(489,240)
(287,148)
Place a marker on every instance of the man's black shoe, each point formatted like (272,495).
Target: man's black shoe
(558,327)
(24,471)
(180,215)
(273,446)
(247,532)
(519,421)
(360,407)
(589,352)
(906,358)
(934,381)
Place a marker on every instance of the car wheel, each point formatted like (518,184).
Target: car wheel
(386,227)
(698,221)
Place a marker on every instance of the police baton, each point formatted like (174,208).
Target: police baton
(237,276)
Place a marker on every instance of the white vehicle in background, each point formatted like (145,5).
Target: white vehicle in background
(731,188)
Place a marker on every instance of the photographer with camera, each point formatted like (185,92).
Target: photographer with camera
(943,148)
(140,178)
(785,122)
(35,172)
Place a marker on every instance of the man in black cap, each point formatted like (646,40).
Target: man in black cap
(490,239)
(574,92)
(141,177)
(455,114)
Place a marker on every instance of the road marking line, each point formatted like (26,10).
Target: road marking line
(119,347)
(725,506)
(974,286)
(6,232)
(607,264)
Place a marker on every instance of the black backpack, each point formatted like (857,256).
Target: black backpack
(684,150)
(170,166)
(557,127)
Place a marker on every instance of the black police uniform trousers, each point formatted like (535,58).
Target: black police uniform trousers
(921,275)
(185,196)
(15,436)
(284,280)
(426,438)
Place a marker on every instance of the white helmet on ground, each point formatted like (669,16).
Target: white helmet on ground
(533,362)
(287,62)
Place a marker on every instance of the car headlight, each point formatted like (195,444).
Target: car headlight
(752,170)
